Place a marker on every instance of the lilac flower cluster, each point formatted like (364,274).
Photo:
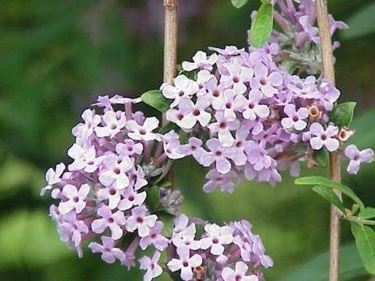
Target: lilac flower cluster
(102,194)
(102,199)
(298,35)
(247,118)
(225,253)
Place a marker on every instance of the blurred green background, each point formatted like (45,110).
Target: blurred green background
(57,56)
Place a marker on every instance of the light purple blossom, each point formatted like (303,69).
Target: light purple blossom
(265,81)
(183,87)
(115,171)
(357,157)
(140,220)
(114,122)
(107,249)
(239,274)
(324,137)
(144,131)
(219,155)
(113,221)
(250,108)
(216,238)
(131,198)
(53,177)
(200,61)
(296,118)
(155,238)
(194,113)
(185,263)
(151,265)
(74,198)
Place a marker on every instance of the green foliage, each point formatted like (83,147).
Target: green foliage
(361,23)
(156,100)
(329,195)
(320,156)
(327,183)
(365,241)
(153,198)
(342,114)
(261,27)
(316,269)
(367,213)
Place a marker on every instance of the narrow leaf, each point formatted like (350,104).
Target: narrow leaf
(365,241)
(168,221)
(342,114)
(361,23)
(261,27)
(367,213)
(156,99)
(153,198)
(238,3)
(320,156)
(317,180)
(329,195)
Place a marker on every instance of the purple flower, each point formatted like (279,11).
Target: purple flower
(113,221)
(257,156)
(143,132)
(223,128)
(236,76)
(239,274)
(183,87)
(200,61)
(131,198)
(226,104)
(184,234)
(216,238)
(295,119)
(151,265)
(75,199)
(185,263)
(114,171)
(357,157)
(194,113)
(329,95)
(266,81)
(129,148)
(84,159)
(193,147)
(250,108)
(141,221)
(219,155)
(84,130)
(304,88)
(216,179)
(114,122)
(155,238)
(172,146)
(53,177)
(107,249)
(112,194)
(324,137)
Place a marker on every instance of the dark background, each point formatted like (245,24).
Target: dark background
(57,56)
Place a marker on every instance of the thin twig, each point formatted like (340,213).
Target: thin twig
(170,51)
(329,73)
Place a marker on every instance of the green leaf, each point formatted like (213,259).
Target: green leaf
(317,180)
(320,156)
(238,3)
(329,195)
(168,221)
(156,99)
(169,127)
(365,241)
(153,198)
(361,23)
(367,213)
(342,114)
(316,269)
(261,27)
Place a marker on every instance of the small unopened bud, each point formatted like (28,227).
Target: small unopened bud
(344,134)
(200,273)
(314,113)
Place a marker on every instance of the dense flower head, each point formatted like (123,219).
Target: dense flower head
(102,200)
(218,252)
(297,35)
(249,118)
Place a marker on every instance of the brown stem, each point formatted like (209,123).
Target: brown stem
(170,51)
(329,73)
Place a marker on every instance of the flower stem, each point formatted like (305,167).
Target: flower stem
(170,51)
(329,73)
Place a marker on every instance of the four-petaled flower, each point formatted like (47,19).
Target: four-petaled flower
(185,263)
(324,137)
(107,249)
(219,155)
(239,274)
(216,238)
(295,119)
(151,265)
(140,220)
(144,131)
(113,221)
(74,198)
(357,157)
